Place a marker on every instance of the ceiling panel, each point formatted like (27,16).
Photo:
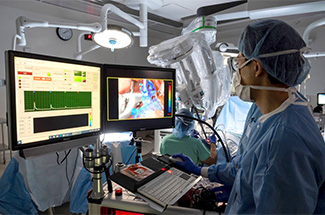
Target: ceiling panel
(173,11)
(178,9)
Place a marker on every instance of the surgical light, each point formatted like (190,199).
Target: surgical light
(114,37)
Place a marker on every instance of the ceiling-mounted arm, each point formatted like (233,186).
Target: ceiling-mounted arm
(208,10)
(141,25)
(307,40)
(310,28)
(23,22)
(79,53)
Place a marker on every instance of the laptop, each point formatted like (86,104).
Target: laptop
(156,180)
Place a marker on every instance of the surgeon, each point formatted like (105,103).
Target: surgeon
(180,142)
(282,166)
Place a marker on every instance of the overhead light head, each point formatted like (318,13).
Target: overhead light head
(114,37)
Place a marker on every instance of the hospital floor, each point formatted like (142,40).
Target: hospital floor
(147,148)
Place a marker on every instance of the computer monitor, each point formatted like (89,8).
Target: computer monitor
(321,99)
(138,98)
(51,100)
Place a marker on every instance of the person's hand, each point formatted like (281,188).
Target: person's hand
(212,139)
(187,164)
(222,193)
(213,151)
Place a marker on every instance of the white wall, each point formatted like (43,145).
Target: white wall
(45,40)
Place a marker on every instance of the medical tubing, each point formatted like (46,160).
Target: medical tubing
(214,131)
(197,114)
(224,136)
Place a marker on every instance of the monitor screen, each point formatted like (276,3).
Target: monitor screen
(51,99)
(321,99)
(138,98)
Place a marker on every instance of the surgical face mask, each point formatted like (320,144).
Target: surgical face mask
(244,91)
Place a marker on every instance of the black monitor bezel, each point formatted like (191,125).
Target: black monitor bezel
(11,99)
(132,125)
(318,104)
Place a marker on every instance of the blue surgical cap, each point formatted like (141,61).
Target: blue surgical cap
(269,36)
(183,125)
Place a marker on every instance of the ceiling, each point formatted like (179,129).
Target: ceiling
(179,10)
(170,19)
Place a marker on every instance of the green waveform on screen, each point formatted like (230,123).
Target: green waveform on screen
(55,100)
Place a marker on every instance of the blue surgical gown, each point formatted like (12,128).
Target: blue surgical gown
(225,173)
(282,168)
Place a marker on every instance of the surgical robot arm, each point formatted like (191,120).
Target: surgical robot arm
(199,81)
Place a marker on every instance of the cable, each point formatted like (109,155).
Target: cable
(57,158)
(221,125)
(198,116)
(66,169)
(102,141)
(219,138)
(73,171)
(206,200)
(103,167)
(83,162)
(65,157)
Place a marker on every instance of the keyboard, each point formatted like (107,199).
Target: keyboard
(168,187)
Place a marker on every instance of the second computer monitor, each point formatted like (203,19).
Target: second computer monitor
(137,98)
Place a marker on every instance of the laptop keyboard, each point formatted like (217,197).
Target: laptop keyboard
(167,186)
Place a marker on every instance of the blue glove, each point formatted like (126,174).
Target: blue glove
(187,164)
(213,138)
(194,133)
(222,193)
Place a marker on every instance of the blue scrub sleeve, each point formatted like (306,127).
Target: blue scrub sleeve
(224,173)
(288,185)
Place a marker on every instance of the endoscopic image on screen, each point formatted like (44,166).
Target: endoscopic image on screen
(140,98)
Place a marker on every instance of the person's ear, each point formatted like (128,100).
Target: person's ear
(258,68)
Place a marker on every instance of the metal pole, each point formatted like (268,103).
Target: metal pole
(3,144)
(98,192)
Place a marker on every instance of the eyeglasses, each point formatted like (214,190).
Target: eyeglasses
(234,63)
